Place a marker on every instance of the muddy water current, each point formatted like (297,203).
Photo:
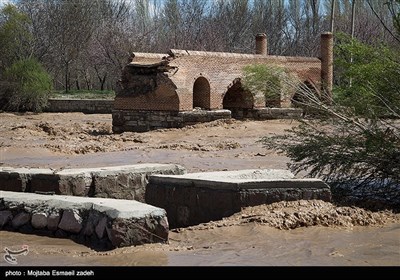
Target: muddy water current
(244,245)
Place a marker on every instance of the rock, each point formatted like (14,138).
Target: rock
(20,219)
(101,227)
(43,181)
(14,179)
(39,220)
(115,235)
(88,228)
(91,221)
(5,217)
(74,182)
(53,221)
(71,221)
(128,182)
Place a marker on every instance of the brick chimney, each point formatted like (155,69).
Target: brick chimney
(261,44)
(327,62)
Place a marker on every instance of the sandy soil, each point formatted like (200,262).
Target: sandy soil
(75,139)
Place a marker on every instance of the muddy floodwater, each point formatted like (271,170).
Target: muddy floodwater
(78,140)
(245,245)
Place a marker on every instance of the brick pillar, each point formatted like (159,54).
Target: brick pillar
(327,62)
(261,44)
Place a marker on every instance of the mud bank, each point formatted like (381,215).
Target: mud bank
(304,213)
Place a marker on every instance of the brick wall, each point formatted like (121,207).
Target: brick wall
(145,120)
(267,113)
(215,74)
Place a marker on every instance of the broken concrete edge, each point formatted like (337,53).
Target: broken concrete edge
(96,170)
(100,223)
(127,181)
(245,174)
(241,179)
(239,184)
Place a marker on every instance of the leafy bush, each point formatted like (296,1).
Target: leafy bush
(15,36)
(26,86)
(268,80)
(356,155)
(366,76)
(350,145)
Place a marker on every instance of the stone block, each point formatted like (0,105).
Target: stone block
(71,221)
(74,182)
(39,220)
(5,217)
(101,228)
(20,219)
(53,220)
(128,182)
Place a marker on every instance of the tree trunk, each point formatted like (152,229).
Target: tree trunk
(332,21)
(353,17)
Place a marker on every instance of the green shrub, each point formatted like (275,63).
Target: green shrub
(270,80)
(26,86)
(367,77)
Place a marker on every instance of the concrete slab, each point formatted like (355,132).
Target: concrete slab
(201,197)
(234,180)
(123,182)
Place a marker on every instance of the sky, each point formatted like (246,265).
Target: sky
(2,2)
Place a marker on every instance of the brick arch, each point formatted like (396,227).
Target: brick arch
(237,97)
(202,93)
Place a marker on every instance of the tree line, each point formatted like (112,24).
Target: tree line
(83,44)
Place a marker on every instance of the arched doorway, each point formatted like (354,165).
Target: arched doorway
(237,97)
(201,93)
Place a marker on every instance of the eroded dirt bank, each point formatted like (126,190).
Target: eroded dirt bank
(304,213)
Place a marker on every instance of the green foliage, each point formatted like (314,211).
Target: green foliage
(27,86)
(15,37)
(343,150)
(351,145)
(366,76)
(267,79)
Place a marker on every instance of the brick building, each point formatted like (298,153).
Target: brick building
(185,87)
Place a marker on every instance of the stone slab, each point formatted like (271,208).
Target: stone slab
(128,222)
(122,182)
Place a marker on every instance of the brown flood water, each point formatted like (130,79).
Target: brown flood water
(244,245)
